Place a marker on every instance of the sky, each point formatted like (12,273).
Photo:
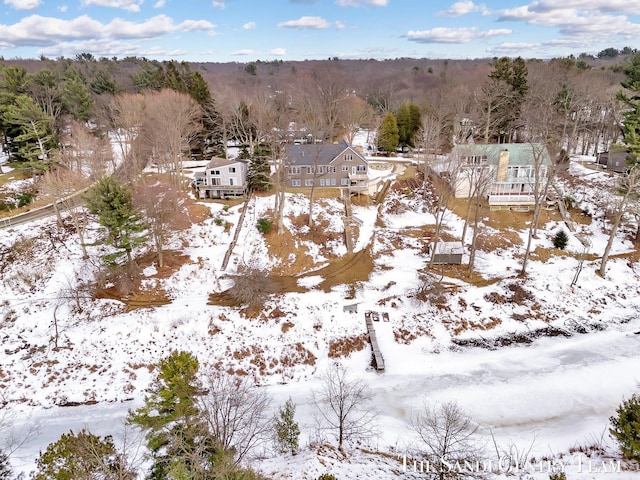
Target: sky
(249,30)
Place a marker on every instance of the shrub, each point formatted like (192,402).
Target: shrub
(327,476)
(25,198)
(218,221)
(264,225)
(287,430)
(558,476)
(625,427)
(560,240)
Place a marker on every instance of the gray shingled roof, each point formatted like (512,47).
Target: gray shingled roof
(316,154)
(222,162)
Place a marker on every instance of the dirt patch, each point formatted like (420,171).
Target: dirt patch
(504,240)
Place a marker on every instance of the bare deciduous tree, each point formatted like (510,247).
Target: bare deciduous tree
(171,122)
(126,113)
(343,406)
(236,413)
(162,206)
(447,437)
(629,187)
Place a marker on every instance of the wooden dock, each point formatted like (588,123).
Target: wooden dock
(369,317)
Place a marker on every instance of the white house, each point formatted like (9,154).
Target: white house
(222,178)
(513,171)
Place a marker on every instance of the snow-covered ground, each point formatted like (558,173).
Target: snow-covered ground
(553,394)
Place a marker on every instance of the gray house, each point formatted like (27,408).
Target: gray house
(222,178)
(333,165)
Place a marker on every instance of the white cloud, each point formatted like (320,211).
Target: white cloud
(577,18)
(63,8)
(249,26)
(340,25)
(621,6)
(358,3)
(108,49)
(23,4)
(36,30)
(246,51)
(128,5)
(464,7)
(218,4)
(159,4)
(278,52)
(452,35)
(315,23)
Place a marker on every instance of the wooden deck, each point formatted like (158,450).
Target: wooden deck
(369,318)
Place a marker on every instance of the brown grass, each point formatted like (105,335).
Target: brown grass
(343,347)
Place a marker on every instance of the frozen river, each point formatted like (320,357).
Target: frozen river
(552,394)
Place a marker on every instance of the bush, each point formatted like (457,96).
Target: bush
(558,476)
(327,476)
(287,430)
(560,240)
(625,427)
(25,198)
(264,225)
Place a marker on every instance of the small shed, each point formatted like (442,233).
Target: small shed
(447,252)
(614,160)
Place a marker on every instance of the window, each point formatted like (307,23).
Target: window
(361,168)
(231,181)
(215,172)
(322,182)
(345,168)
(475,159)
(333,182)
(232,169)
(216,181)
(308,182)
(309,170)
(348,157)
(321,169)
(295,182)
(344,181)
(331,169)
(294,170)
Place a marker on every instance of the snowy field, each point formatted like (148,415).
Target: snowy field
(550,396)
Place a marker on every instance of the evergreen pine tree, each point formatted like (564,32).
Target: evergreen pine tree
(111,201)
(170,417)
(388,136)
(560,240)
(625,427)
(287,430)
(82,456)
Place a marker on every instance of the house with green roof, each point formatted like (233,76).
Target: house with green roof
(513,170)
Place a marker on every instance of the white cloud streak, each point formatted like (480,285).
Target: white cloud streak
(464,7)
(23,4)
(306,23)
(452,35)
(128,5)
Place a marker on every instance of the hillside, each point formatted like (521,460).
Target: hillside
(521,355)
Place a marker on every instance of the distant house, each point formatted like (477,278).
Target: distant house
(337,165)
(615,159)
(511,168)
(222,178)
